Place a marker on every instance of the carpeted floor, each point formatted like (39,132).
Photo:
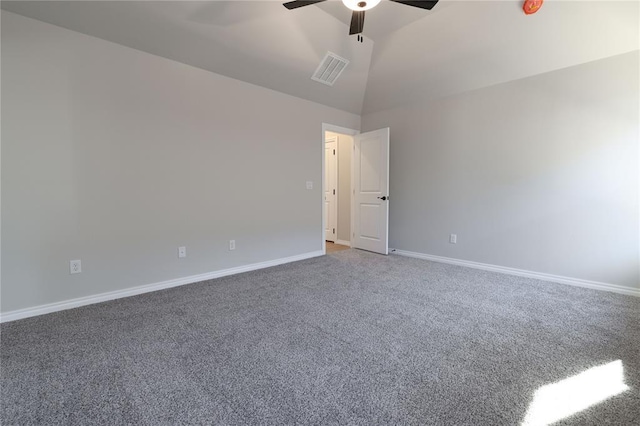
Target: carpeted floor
(351,338)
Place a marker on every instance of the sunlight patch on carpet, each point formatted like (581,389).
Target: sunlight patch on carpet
(570,396)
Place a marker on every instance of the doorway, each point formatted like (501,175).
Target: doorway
(355,189)
(338,148)
(337,189)
(331,172)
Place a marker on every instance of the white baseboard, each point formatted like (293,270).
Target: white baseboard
(523,273)
(103,297)
(343,243)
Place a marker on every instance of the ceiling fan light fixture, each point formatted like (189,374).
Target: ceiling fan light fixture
(360,4)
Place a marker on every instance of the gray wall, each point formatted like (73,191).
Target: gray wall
(117,157)
(345,147)
(538,174)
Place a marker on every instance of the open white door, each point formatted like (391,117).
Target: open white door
(371,191)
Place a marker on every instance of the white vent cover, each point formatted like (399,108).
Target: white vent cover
(329,69)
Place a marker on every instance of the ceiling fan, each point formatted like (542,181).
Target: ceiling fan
(359,7)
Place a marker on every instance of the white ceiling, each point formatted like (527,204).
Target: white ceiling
(259,42)
(471,45)
(408,53)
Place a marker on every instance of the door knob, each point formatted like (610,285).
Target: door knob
(383,198)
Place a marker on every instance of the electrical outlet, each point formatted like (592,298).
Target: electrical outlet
(75,266)
(182,252)
(453,238)
(232,244)
(309,184)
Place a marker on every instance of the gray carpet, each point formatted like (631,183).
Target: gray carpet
(351,338)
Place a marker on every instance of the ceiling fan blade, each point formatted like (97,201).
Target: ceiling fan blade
(299,3)
(357,22)
(427,4)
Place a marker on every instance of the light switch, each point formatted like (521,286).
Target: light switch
(309,184)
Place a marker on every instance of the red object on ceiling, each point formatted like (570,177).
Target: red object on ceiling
(532,6)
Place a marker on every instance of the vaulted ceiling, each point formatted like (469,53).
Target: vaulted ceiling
(408,53)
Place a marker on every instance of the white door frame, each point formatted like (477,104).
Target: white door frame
(345,131)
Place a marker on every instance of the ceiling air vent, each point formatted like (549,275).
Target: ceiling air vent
(330,69)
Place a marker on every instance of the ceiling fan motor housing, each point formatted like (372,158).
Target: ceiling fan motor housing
(360,4)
